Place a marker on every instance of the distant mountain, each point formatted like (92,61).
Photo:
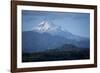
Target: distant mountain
(52,29)
(47,35)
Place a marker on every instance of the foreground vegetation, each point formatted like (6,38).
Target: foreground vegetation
(55,55)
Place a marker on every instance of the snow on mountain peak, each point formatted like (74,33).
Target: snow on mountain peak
(46,26)
(49,27)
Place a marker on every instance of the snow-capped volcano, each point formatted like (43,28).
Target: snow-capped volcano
(46,26)
(53,29)
(47,35)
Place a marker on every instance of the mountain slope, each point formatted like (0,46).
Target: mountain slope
(34,41)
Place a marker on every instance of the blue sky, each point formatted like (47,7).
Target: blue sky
(76,23)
